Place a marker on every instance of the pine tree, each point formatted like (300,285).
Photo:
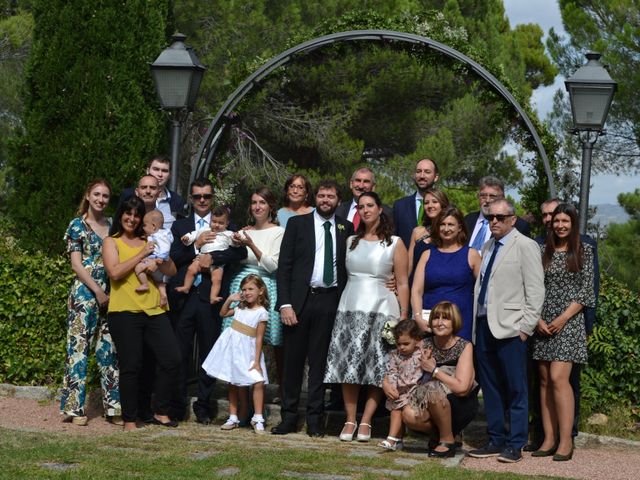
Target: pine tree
(90,108)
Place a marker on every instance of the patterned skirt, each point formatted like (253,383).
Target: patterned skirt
(357,352)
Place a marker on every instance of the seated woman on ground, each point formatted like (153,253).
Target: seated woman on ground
(446,399)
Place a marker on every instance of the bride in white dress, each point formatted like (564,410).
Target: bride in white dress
(357,353)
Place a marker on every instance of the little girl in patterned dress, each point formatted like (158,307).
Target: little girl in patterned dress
(403,374)
(237,355)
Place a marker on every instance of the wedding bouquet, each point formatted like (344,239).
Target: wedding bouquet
(387,332)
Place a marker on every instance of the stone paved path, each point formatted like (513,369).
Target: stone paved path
(595,457)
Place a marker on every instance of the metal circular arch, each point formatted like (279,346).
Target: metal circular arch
(211,140)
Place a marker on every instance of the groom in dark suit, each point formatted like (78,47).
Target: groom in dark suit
(311,276)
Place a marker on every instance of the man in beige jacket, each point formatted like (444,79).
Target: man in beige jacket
(508,298)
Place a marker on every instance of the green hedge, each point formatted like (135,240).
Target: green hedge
(612,377)
(33,299)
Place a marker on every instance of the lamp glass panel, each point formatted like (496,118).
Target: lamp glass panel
(173,87)
(590,106)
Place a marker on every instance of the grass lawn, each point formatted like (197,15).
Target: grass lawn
(193,451)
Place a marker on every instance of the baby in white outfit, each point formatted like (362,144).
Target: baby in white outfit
(223,240)
(152,225)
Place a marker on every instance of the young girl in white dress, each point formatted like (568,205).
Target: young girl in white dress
(237,355)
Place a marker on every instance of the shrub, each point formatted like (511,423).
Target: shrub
(33,295)
(612,375)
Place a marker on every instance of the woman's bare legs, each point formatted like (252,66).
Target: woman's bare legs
(564,404)
(350,396)
(547,407)
(374,396)
(441,417)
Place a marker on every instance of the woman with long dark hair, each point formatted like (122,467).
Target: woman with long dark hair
(136,318)
(421,238)
(86,306)
(561,338)
(357,355)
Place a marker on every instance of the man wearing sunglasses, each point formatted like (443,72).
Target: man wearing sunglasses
(490,189)
(508,298)
(192,313)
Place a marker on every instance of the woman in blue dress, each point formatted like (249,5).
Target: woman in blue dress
(88,299)
(447,271)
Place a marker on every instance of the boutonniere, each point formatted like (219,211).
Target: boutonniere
(341,227)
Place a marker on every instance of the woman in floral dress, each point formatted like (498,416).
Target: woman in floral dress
(561,338)
(88,299)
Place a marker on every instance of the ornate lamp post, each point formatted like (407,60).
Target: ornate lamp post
(591,92)
(177,73)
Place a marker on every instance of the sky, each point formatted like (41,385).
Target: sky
(546,13)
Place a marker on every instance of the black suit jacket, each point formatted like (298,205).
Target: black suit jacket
(521,225)
(182,255)
(405,218)
(297,256)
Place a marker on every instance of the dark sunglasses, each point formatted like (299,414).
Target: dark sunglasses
(206,196)
(500,218)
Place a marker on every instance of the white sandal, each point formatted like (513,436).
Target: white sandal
(387,445)
(258,425)
(348,437)
(362,437)
(230,424)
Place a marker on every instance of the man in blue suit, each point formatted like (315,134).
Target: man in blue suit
(406,210)
(547,208)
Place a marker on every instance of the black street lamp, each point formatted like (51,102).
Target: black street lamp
(591,92)
(177,73)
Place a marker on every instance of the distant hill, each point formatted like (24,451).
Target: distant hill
(608,213)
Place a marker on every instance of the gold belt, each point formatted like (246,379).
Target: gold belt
(242,328)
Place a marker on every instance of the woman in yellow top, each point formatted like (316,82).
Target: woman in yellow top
(136,318)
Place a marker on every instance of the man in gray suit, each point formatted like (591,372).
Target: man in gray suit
(508,298)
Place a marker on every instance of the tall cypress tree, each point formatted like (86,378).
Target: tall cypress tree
(90,108)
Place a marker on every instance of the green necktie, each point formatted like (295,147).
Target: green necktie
(327,275)
(420,213)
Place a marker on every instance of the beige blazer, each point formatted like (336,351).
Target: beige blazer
(516,288)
